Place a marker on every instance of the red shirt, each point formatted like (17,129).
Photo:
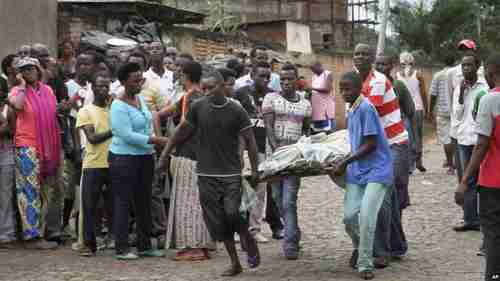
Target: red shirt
(488,124)
(378,89)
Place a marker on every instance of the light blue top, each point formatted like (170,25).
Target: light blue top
(376,167)
(131,128)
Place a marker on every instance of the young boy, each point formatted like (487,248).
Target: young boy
(368,170)
(93,120)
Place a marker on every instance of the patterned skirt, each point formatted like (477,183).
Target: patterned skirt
(186,226)
(29,192)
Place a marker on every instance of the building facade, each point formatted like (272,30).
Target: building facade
(27,22)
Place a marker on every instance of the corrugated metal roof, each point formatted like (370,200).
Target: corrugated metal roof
(157,11)
(102,1)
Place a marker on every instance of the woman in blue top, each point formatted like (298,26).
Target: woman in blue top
(131,163)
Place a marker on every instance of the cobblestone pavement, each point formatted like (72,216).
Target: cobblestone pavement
(436,252)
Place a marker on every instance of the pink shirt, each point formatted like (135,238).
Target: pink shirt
(323,105)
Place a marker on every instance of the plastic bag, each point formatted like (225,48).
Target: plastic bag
(248,198)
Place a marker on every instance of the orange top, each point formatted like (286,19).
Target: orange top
(25,123)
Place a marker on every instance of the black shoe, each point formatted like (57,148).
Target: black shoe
(56,239)
(160,242)
(278,235)
(380,262)
(463,228)
(353,261)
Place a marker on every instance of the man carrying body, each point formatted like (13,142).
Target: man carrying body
(287,117)
(368,172)
(219,123)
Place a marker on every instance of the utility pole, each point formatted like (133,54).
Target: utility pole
(383,27)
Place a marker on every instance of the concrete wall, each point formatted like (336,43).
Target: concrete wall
(337,63)
(318,11)
(27,22)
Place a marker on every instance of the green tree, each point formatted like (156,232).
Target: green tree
(435,30)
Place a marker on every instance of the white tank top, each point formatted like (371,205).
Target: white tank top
(413,85)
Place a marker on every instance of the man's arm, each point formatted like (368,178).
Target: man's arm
(306,126)
(183,133)
(368,146)
(406,103)
(4,126)
(434,95)
(423,91)
(269,119)
(251,145)
(249,138)
(480,150)
(93,137)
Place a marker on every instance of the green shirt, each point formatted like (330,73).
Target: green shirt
(406,104)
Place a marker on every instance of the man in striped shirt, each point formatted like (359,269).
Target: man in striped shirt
(377,88)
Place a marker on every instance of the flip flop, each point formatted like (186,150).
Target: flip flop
(366,275)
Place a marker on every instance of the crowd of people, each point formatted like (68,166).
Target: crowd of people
(145,148)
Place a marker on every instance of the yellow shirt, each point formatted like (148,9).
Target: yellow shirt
(154,100)
(96,155)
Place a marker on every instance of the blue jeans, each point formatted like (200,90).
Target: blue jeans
(285,195)
(471,216)
(361,206)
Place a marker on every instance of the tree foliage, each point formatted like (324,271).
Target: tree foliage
(435,30)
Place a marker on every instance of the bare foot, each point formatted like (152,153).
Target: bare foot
(232,271)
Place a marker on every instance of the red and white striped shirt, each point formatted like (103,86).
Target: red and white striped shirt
(378,89)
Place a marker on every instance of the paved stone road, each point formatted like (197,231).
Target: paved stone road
(436,252)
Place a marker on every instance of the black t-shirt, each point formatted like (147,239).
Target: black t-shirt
(4,90)
(219,128)
(58,86)
(189,148)
(252,103)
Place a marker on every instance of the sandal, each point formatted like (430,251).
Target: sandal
(254,261)
(367,275)
(232,271)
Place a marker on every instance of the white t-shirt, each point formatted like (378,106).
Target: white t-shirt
(85,97)
(165,83)
(289,116)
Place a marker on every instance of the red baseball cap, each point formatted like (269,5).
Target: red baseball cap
(467,43)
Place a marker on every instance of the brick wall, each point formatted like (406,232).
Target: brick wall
(70,25)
